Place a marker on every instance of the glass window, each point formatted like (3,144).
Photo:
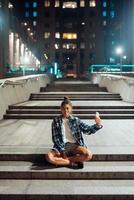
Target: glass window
(46,25)
(9,5)
(68,25)
(57,46)
(57,25)
(57,35)
(34,4)
(26,4)
(69,46)
(112,14)
(90,46)
(93,35)
(26,14)
(57,3)
(104,4)
(82,3)
(47,4)
(34,23)
(104,13)
(69,36)
(92,13)
(92,3)
(47,46)
(111,5)
(35,14)
(82,45)
(69,4)
(46,35)
(104,23)
(47,14)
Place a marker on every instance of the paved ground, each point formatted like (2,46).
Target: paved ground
(117,136)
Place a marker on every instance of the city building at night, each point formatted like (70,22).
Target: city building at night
(76,34)
(16,43)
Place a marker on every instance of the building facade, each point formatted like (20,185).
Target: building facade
(16,44)
(77,33)
(4,26)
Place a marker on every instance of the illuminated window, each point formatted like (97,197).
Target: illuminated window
(57,46)
(57,3)
(9,5)
(57,35)
(47,4)
(92,3)
(69,4)
(70,36)
(104,23)
(82,3)
(34,23)
(112,14)
(104,4)
(35,14)
(46,35)
(104,13)
(69,46)
(26,4)
(34,4)
(26,14)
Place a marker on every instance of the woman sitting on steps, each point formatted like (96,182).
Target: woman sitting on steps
(67,134)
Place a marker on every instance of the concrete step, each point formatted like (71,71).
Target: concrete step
(82,116)
(78,111)
(91,95)
(97,107)
(38,155)
(73,88)
(67,189)
(78,99)
(42,170)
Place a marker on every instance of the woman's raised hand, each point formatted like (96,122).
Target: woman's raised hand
(97,119)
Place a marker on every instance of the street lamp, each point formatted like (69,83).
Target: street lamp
(119,51)
(24,61)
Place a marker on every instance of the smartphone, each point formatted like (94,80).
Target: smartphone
(97,114)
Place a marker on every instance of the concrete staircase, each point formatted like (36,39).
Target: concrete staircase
(25,175)
(59,86)
(84,112)
(28,176)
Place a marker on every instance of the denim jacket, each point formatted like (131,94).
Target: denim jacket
(77,126)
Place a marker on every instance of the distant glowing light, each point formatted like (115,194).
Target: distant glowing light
(55,68)
(119,50)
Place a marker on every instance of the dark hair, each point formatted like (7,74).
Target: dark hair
(65,101)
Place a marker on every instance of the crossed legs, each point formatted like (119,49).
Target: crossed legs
(79,154)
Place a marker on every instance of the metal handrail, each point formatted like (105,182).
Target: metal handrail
(18,82)
(117,78)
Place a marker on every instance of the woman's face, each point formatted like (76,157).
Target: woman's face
(66,110)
